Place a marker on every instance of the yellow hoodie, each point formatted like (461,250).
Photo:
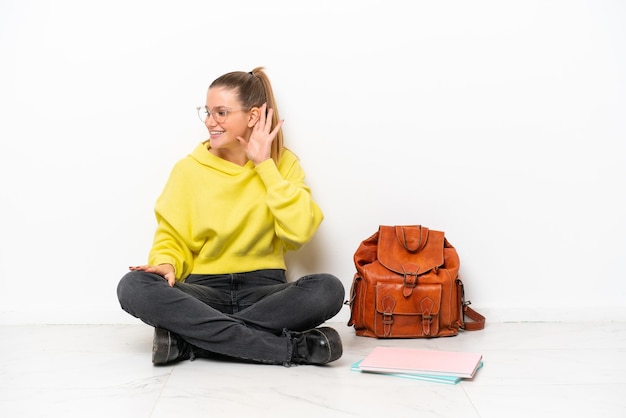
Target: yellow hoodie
(217,217)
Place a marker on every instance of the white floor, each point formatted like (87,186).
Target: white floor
(530,370)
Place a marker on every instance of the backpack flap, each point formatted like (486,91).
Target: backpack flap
(410,250)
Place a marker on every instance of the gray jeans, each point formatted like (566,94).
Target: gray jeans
(249,316)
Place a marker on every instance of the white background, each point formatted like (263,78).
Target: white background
(498,122)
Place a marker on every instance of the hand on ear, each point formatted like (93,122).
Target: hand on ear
(259,146)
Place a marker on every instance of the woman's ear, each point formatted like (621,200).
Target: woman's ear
(255,114)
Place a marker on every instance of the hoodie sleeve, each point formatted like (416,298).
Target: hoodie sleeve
(296,215)
(173,220)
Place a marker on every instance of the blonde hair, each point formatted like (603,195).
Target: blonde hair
(253,89)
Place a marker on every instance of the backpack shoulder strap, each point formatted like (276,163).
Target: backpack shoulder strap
(478,321)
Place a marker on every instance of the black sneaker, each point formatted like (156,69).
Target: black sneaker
(317,346)
(168,347)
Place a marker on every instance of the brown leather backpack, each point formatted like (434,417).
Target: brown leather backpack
(407,286)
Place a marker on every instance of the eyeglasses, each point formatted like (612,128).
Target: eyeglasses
(219,113)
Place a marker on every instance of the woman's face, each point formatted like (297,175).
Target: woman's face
(226,121)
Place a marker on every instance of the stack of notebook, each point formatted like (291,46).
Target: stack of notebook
(434,366)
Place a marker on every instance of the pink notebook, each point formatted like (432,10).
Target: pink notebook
(429,362)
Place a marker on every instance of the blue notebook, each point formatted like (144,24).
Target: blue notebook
(450,380)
